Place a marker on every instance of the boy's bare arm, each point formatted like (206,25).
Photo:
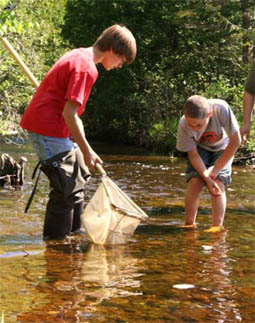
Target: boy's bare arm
(233,145)
(248,103)
(200,167)
(198,164)
(75,126)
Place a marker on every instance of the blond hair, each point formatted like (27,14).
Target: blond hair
(120,40)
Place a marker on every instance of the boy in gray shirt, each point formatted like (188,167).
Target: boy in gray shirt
(209,133)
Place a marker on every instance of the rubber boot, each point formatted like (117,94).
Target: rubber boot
(58,218)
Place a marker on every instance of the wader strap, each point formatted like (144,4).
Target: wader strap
(35,186)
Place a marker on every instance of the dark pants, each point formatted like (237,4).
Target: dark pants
(68,176)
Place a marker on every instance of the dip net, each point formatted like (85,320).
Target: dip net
(111,217)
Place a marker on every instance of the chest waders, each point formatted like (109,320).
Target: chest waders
(68,176)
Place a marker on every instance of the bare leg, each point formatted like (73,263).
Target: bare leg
(219,206)
(194,189)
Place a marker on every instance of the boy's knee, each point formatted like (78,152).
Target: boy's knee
(196,180)
(196,184)
(221,184)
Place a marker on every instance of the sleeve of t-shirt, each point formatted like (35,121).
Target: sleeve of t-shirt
(228,119)
(76,86)
(250,82)
(185,141)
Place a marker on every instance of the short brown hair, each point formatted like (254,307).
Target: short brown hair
(197,107)
(120,40)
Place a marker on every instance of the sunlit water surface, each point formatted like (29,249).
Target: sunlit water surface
(163,274)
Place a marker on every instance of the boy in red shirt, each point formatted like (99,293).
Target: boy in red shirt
(54,114)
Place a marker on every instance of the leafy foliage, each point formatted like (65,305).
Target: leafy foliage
(184,47)
(33,30)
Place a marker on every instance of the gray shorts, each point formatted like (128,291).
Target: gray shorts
(210,158)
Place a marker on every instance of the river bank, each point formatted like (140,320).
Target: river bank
(245,156)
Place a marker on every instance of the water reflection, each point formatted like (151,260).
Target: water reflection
(189,257)
(212,277)
(113,270)
(78,277)
(72,281)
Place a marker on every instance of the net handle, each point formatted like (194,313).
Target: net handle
(100,169)
(24,67)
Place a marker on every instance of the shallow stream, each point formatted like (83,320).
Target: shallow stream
(163,274)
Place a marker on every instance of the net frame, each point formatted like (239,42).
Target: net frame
(125,215)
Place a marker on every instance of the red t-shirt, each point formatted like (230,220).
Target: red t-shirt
(70,78)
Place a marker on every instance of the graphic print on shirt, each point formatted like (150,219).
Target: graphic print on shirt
(210,136)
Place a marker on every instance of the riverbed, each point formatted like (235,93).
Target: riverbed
(164,273)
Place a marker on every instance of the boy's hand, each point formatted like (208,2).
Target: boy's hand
(213,172)
(245,132)
(213,187)
(91,159)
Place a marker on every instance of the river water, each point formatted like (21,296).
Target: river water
(164,273)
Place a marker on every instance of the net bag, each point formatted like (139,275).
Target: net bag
(111,217)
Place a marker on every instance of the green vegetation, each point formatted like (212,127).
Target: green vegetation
(184,47)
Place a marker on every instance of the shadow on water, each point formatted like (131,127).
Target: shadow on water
(163,274)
